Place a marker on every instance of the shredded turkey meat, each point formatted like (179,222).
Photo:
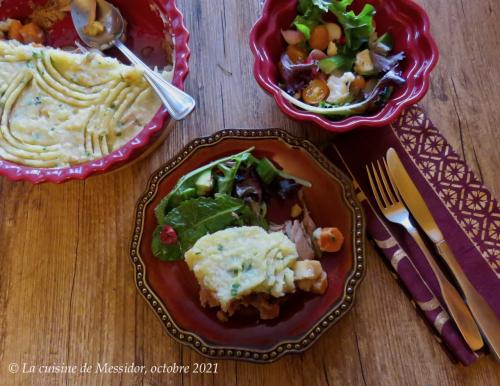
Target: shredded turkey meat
(296,232)
(307,221)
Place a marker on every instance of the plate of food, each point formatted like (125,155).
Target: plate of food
(248,245)
(69,112)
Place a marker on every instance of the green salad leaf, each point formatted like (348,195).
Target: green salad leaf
(228,169)
(303,27)
(185,188)
(357,28)
(322,4)
(337,62)
(268,173)
(195,218)
(339,5)
(382,45)
(309,16)
(306,5)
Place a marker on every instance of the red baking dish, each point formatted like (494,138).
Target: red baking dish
(146,26)
(405,20)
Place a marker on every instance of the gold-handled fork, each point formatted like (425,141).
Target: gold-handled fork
(392,207)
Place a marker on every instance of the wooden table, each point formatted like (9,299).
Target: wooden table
(67,294)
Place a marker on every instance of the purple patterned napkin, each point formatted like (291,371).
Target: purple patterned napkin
(465,210)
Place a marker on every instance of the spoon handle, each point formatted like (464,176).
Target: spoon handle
(178,103)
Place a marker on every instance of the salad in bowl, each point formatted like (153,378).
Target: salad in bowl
(335,62)
(343,64)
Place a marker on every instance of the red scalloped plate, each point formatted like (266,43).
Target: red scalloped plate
(147,28)
(172,291)
(406,21)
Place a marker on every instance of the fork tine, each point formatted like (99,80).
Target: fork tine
(374,189)
(386,184)
(393,185)
(380,186)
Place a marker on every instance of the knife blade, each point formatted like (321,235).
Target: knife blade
(482,312)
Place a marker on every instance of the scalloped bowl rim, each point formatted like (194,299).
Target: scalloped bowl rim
(412,92)
(119,157)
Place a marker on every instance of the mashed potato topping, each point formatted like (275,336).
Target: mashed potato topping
(59,108)
(236,262)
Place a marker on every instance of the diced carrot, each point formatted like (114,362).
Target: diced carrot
(330,239)
(14,28)
(319,38)
(359,83)
(296,53)
(32,33)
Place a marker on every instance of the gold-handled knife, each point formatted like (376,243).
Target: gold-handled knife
(484,315)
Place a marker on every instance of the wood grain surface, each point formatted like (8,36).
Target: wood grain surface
(67,294)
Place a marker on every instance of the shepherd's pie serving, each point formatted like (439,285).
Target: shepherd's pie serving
(236,262)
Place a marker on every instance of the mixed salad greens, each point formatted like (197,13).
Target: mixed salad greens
(335,63)
(227,192)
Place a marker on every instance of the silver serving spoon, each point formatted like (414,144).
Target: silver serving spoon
(178,103)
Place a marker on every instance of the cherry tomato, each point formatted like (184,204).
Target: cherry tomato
(319,38)
(296,53)
(316,91)
(168,235)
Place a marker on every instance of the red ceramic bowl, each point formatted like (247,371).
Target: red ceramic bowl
(405,20)
(173,292)
(146,33)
